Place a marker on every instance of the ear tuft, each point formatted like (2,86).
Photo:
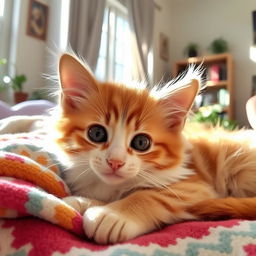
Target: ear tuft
(77,82)
(179,103)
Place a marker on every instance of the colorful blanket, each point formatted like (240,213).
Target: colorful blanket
(36,222)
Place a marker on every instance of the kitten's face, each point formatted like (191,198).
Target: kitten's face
(118,132)
(122,133)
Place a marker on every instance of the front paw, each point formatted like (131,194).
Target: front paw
(106,225)
(81,204)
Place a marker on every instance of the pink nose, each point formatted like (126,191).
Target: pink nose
(115,164)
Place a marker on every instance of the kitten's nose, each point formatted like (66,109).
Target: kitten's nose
(115,164)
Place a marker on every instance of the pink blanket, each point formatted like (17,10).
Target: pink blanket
(36,222)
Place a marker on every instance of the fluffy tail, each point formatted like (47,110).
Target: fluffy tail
(225,208)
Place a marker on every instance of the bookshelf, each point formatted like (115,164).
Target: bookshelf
(219,76)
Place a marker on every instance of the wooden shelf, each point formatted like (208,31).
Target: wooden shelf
(226,109)
(221,83)
(206,59)
(224,62)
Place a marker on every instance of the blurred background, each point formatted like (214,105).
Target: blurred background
(122,40)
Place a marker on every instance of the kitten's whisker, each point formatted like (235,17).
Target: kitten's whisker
(51,165)
(167,188)
(154,181)
(56,164)
(86,171)
(79,163)
(150,177)
(76,164)
(84,161)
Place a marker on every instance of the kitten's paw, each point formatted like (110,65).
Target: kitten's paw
(105,225)
(81,204)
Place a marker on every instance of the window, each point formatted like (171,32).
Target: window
(1,8)
(2,5)
(64,24)
(5,30)
(114,62)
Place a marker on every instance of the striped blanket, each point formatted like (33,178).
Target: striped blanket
(35,221)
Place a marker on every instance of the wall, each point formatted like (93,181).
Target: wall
(201,21)
(162,68)
(29,55)
(182,21)
(34,57)
(53,46)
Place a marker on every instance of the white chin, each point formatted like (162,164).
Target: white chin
(112,179)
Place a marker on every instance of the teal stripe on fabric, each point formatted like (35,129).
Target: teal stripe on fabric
(126,252)
(121,252)
(52,156)
(19,253)
(34,204)
(19,145)
(164,253)
(9,148)
(223,245)
(225,241)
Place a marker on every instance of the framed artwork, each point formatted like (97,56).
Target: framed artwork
(164,47)
(253,86)
(254,26)
(37,19)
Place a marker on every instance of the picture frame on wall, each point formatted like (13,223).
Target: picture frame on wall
(37,22)
(164,47)
(253,85)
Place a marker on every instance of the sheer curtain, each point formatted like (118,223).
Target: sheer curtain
(86,18)
(141,18)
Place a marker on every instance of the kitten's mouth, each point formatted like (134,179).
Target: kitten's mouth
(113,174)
(113,178)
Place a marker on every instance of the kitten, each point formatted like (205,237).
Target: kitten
(133,166)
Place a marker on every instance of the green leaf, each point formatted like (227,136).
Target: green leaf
(17,82)
(3,61)
(212,115)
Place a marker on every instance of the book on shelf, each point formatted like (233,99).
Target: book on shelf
(223,72)
(223,97)
(215,73)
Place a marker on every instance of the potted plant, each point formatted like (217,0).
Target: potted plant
(17,86)
(218,45)
(213,116)
(39,94)
(191,50)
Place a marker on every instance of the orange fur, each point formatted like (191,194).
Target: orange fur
(226,161)
(135,108)
(219,165)
(225,208)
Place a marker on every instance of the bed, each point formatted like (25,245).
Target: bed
(35,221)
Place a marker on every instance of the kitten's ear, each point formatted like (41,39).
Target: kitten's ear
(179,103)
(76,81)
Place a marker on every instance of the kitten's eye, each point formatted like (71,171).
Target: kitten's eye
(97,133)
(141,142)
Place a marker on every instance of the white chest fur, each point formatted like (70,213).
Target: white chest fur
(89,185)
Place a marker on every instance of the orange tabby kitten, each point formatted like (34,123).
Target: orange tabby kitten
(133,168)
